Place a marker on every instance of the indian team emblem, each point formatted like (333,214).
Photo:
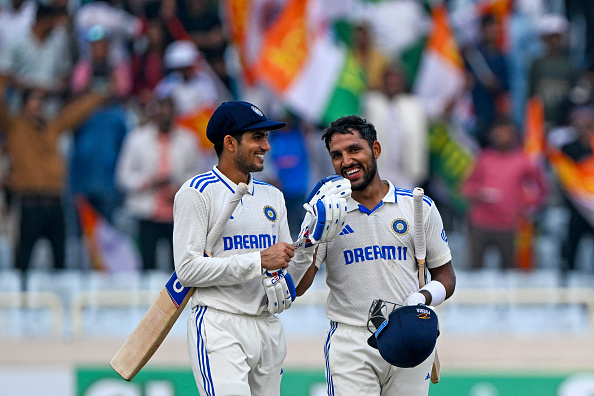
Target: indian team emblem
(257,111)
(270,213)
(400,226)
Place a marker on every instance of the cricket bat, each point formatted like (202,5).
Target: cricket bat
(164,311)
(420,254)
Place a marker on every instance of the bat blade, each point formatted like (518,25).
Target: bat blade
(152,329)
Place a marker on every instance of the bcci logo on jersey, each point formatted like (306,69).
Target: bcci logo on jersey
(270,213)
(400,226)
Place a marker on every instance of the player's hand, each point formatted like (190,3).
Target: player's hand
(277,256)
(280,290)
(415,299)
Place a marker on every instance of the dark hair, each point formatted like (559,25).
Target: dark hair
(219,146)
(49,11)
(345,125)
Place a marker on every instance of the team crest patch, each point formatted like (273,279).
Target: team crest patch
(400,226)
(444,236)
(270,213)
(257,111)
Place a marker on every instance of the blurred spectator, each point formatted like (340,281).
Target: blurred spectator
(194,91)
(488,76)
(20,58)
(402,126)
(583,9)
(157,158)
(122,25)
(16,17)
(582,94)
(148,67)
(36,174)
(186,82)
(368,55)
(552,75)
(291,161)
(97,69)
(199,21)
(503,184)
(96,144)
(202,22)
(577,145)
(524,46)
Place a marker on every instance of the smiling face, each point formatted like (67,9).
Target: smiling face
(251,147)
(354,159)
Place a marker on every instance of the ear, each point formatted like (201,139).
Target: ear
(377,149)
(230,143)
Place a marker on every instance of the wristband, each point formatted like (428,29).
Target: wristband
(437,291)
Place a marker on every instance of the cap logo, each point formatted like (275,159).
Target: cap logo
(257,111)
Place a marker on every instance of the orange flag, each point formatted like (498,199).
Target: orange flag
(285,49)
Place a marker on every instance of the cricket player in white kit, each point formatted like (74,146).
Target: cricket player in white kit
(373,258)
(236,344)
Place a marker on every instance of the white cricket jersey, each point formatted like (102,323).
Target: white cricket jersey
(373,257)
(231,280)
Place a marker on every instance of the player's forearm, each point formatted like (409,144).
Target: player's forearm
(300,263)
(202,271)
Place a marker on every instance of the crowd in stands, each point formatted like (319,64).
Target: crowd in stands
(107,101)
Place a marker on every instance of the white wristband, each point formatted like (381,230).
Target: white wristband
(437,291)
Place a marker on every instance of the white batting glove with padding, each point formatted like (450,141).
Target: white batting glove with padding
(326,211)
(415,299)
(280,290)
(323,221)
(330,185)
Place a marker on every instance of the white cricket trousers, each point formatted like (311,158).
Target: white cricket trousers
(236,355)
(354,368)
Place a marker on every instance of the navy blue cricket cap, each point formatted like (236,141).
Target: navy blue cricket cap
(231,118)
(408,337)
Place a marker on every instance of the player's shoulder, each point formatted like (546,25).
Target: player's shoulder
(201,183)
(406,195)
(267,188)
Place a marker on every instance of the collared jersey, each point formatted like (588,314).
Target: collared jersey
(374,257)
(231,280)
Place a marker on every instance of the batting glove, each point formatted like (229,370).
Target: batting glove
(415,299)
(323,221)
(280,290)
(330,185)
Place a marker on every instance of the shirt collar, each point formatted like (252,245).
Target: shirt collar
(231,185)
(390,197)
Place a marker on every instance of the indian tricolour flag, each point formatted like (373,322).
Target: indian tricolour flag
(440,78)
(316,76)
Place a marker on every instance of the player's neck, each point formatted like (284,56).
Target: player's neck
(372,194)
(232,172)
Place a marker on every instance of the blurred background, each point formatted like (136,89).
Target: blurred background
(486,104)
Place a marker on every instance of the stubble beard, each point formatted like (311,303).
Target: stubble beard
(369,176)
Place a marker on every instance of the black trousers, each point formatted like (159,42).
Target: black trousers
(578,228)
(150,233)
(481,239)
(42,216)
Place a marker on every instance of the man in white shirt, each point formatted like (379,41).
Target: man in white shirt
(155,160)
(236,344)
(373,258)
